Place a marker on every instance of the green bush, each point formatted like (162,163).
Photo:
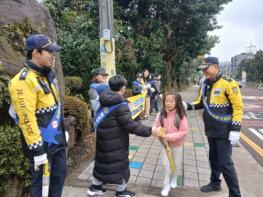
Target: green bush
(80,110)
(73,84)
(13,164)
(4,96)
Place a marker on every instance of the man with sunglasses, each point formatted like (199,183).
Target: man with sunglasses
(36,108)
(221,99)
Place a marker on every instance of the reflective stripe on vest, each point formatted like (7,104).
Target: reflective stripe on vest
(219,117)
(51,131)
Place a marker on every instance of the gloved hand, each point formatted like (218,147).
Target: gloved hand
(234,137)
(185,105)
(152,89)
(40,160)
(66,136)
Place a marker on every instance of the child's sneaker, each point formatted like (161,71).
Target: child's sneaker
(96,190)
(125,193)
(173,182)
(165,191)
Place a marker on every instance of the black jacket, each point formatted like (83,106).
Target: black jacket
(111,159)
(34,94)
(223,98)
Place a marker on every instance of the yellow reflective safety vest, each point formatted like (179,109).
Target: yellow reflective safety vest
(36,104)
(223,106)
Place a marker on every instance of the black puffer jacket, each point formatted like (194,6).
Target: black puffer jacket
(111,160)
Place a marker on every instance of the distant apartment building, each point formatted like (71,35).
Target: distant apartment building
(225,67)
(236,60)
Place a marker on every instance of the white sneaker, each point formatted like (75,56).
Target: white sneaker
(173,182)
(165,191)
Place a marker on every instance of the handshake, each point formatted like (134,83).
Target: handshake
(156,131)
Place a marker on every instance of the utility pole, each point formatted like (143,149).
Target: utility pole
(250,47)
(107,44)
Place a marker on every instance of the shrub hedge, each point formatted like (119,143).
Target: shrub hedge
(13,164)
(80,110)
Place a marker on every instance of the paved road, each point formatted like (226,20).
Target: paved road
(147,174)
(252,126)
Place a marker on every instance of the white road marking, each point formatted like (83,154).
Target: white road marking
(251,106)
(255,132)
(253,115)
(253,97)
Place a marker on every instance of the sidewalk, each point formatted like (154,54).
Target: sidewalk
(146,169)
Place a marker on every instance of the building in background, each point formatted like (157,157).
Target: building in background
(225,67)
(237,59)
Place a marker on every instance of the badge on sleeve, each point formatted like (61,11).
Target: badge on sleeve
(23,74)
(235,89)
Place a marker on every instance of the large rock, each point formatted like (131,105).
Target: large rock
(19,19)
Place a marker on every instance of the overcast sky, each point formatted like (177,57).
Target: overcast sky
(242,22)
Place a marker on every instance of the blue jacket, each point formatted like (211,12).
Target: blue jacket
(137,87)
(153,90)
(95,90)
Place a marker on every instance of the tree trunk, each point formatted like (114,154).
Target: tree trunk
(168,76)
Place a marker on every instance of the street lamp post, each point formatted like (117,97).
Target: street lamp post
(107,43)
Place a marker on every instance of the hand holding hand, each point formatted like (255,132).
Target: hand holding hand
(165,139)
(234,137)
(156,131)
(40,160)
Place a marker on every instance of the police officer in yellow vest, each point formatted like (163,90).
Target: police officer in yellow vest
(36,108)
(221,100)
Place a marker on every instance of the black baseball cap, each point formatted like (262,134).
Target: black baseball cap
(208,61)
(99,71)
(139,75)
(41,41)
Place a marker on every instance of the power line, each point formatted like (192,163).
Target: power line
(250,47)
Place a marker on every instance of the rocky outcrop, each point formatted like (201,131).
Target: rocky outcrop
(19,19)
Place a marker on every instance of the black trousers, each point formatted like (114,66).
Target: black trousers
(58,171)
(154,104)
(220,152)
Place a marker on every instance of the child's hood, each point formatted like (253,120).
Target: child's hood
(109,97)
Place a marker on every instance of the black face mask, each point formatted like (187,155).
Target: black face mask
(41,70)
(211,81)
(208,82)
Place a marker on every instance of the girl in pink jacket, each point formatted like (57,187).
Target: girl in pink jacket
(173,119)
